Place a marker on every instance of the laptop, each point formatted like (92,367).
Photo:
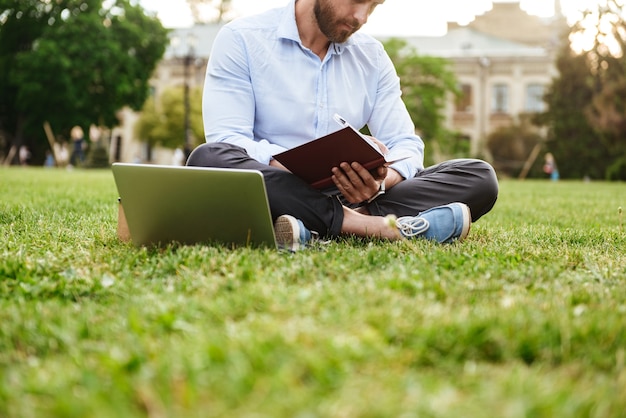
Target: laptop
(190,205)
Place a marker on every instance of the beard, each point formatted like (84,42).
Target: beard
(334,29)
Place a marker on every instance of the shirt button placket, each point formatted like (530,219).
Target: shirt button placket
(322,99)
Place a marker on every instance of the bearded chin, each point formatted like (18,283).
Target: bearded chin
(341,37)
(326,22)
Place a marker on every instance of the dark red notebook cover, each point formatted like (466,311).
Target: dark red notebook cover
(314,160)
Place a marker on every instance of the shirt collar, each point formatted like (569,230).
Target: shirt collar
(287,29)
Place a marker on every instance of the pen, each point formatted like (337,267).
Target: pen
(340,120)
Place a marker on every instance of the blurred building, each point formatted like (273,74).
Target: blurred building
(504,62)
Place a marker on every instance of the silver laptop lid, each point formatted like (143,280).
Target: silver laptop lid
(191,205)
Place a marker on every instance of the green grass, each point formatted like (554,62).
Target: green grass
(526,318)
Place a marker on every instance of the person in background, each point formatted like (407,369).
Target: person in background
(49,161)
(61,154)
(78,150)
(275,80)
(550,167)
(24,155)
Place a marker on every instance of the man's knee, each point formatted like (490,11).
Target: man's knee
(214,155)
(487,175)
(200,156)
(487,186)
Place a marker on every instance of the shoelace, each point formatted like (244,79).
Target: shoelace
(412,226)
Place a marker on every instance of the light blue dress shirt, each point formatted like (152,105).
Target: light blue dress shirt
(266,92)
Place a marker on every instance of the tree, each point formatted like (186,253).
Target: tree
(73,62)
(586,103)
(162,119)
(607,111)
(510,146)
(426,82)
(570,135)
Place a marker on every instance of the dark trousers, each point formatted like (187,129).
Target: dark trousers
(469,181)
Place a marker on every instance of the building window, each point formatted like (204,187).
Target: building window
(464,100)
(534,98)
(500,99)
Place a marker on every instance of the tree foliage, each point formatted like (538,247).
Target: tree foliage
(73,62)
(587,101)
(510,147)
(571,139)
(162,119)
(427,82)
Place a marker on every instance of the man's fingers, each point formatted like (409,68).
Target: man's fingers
(354,182)
(364,175)
(353,174)
(381,172)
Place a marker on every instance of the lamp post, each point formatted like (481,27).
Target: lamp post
(188,59)
(483,110)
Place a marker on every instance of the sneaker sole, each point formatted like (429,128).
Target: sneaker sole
(467,221)
(285,230)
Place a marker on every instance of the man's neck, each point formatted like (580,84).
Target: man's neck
(310,33)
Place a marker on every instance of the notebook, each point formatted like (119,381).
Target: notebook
(189,205)
(313,161)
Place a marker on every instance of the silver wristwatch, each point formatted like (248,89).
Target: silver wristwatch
(381,190)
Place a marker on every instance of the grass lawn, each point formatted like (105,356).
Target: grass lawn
(526,318)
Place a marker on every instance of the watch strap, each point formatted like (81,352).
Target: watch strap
(381,190)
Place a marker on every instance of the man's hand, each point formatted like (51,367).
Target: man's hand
(275,163)
(382,147)
(357,184)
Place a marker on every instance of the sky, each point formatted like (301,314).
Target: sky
(395,17)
